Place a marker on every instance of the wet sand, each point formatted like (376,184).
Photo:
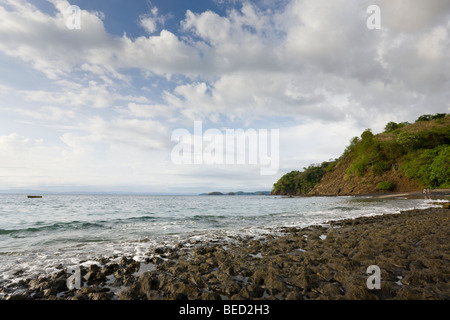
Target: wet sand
(411,249)
(434,194)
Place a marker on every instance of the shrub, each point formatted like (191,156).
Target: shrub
(359,166)
(385,185)
(439,169)
(392,150)
(299,183)
(380,166)
(352,146)
(391,126)
(424,117)
(429,139)
(407,140)
(429,117)
(430,166)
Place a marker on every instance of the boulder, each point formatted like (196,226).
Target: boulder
(130,293)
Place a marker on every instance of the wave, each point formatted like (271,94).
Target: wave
(344,208)
(73,225)
(143,218)
(208,217)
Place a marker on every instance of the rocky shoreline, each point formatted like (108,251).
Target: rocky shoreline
(411,249)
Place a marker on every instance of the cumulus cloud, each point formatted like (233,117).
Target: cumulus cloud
(303,67)
(151,20)
(413,15)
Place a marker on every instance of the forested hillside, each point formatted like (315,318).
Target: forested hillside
(405,157)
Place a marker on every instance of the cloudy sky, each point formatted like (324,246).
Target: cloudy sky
(94,108)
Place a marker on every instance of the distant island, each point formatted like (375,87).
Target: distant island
(238,193)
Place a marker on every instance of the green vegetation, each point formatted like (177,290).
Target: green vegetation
(391,126)
(429,166)
(300,183)
(385,185)
(429,117)
(369,155)
(423,154)
(421,151)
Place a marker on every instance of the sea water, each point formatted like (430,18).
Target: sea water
(39,235)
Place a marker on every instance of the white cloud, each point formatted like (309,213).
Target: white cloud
(148,24)
(46,43)
(410,16)
(50,113)
(145,134)
(94,95)
(148,110)
(151,20)
(24,160)
(313,142)
(311,63)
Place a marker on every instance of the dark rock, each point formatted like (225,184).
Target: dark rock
(51,292)
(294,295)
(148,282)
(100,296)
(134,266)
(269,278)
(172,255)
(110,269)
(95,277)
(124,261)
(38,295)
(210,296)
(80,296)
(58,286)
(179,296)
(18,297)
(94,268)
(252,291)
(93,289)
(182,291)
(39,284)
(130,293)
(61,275)
(330,291)
(156,260)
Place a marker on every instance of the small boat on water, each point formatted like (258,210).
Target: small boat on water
(34,196)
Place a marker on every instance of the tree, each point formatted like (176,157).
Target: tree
(300,183)
(407,140)
(424,117)
(391,126)
(352,146)
(429,117)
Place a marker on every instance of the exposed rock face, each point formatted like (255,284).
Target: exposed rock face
(412,250)
(338,182)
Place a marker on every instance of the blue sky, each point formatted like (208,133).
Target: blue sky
(94,109)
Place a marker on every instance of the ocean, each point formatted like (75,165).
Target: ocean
(38,236)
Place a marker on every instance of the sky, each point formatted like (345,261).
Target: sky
(92,100)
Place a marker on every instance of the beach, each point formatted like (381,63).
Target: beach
(411,249)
